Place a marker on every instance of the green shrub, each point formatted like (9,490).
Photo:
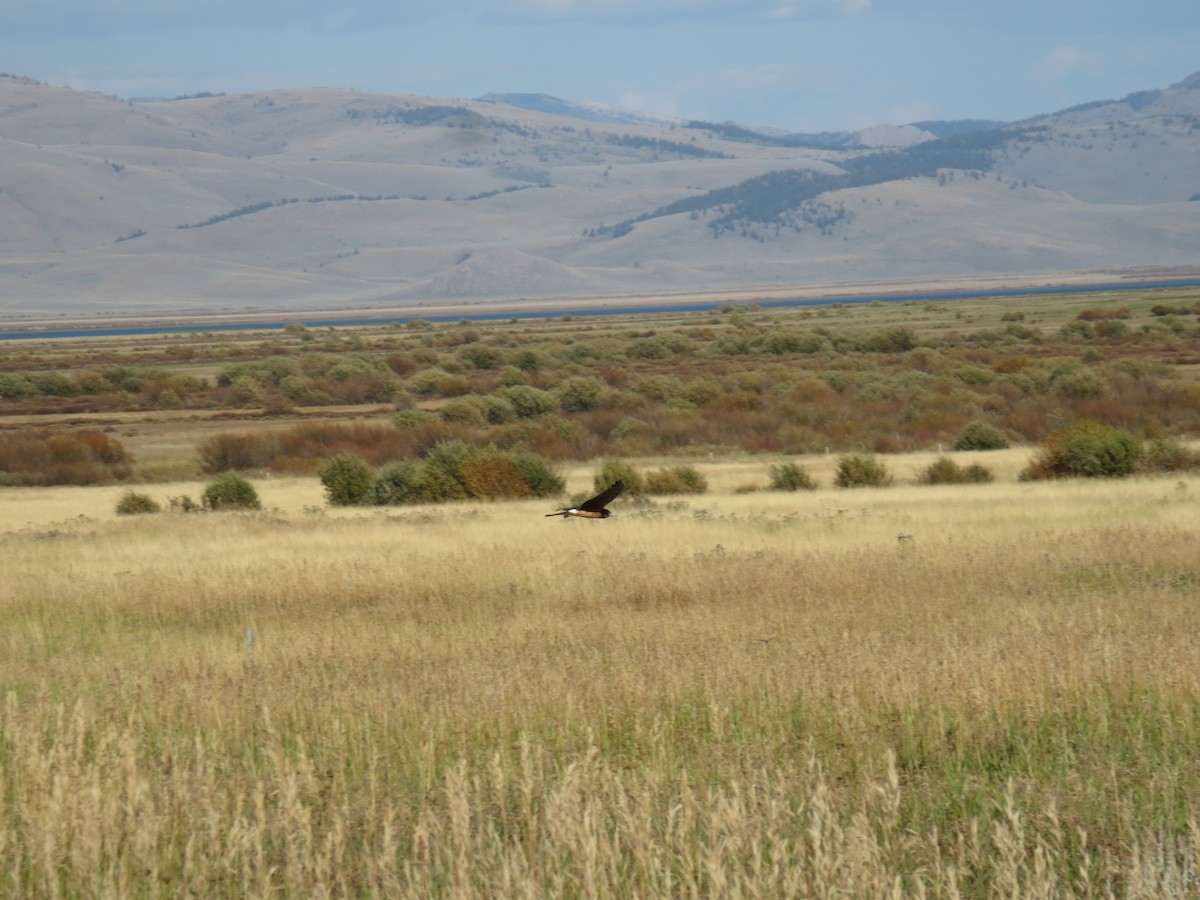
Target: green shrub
(944,470)
(578,394)
(980,436)
(442,477)
(347,480)
(528,402)
(626,427)
(230,491)
(1087,450)
(676,480)
(466,410)
(396,483)
(1080,384)
(1169,455)
(977,474)
(132,503)
(497,410)
(619,470)
(539,475)
(455,470)
(861,470)
(789,476)
(183,503)
(15,387)
(410,418)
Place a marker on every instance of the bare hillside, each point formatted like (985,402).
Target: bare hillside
(318,198)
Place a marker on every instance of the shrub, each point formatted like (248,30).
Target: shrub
(789,476)
(861,470)
(528,402)
(539,475)
(497,410)
(980,436)
(466,410)
(183,503)
(454,470)
(491,475)
(230,491)
(626,427)
(619,470)
(15,387)
(676,480)
(58,457)
(347,480)
(442,475)
(223,452)
(1169,455)
(410,418)
(397,483)
(1086,450)
(944,470)
(1080,384)
(898,339)
(579,394)
(1102,313)
(132,503)
(977,474)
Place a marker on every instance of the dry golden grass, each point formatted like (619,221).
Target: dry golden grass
(969,691)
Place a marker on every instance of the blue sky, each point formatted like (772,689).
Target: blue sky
(801,65)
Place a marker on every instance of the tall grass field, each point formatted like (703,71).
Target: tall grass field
(965,691)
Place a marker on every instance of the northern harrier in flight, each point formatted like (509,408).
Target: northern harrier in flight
(594,508)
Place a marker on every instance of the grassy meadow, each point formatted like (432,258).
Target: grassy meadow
(957,691)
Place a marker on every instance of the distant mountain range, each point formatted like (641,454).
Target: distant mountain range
(875,136)
(312,198)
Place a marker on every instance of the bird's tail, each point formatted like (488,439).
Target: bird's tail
(561,512)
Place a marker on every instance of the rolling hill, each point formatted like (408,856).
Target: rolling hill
(318,198)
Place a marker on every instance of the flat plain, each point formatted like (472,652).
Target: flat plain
(961,691)
(954,691)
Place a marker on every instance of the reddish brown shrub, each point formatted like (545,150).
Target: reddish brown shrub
(1100,313)
(494,476)
(51,458)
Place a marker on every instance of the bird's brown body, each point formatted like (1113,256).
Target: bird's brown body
(594,508)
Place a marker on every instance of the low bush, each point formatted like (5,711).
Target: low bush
(347,480)
(539,475)
(619,470)
(1103,313)
(230,491)
(528,402)
(451,470)
(62,457)
(395,484)
(132,504)
(1170,455)
(442,472)
(225,452)
(183,503)
(944,470)
(490,474)
(1086,450)
(980,436)
(861,470)
(790,476)
(676,480)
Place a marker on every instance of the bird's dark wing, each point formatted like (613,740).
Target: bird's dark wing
(604,498)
